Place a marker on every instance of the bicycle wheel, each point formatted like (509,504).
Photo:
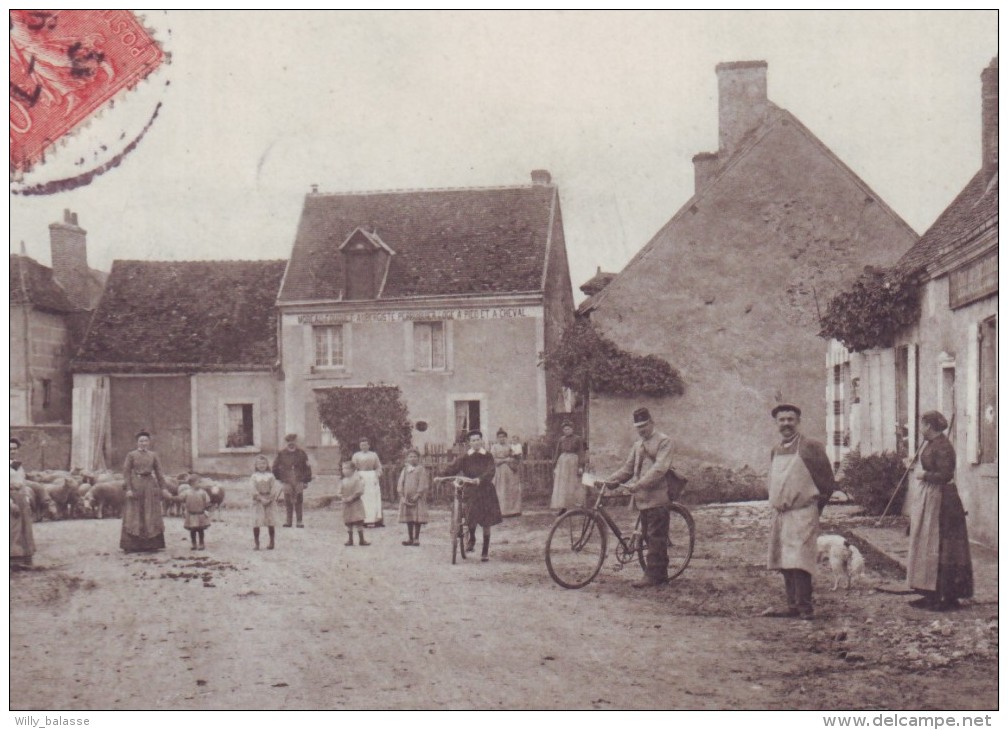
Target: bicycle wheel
(575,548)
(456,528)
(462,539)
(681,537)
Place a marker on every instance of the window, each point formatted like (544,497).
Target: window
(328,346)
(467,418)
(327,437)
(428,345)
(240,426)
(988,391)
(46,392)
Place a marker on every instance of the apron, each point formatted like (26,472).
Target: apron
(793,532)
(372,496)
(922,560)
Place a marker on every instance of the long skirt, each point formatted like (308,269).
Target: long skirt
(568,492)
(142,523)
(372,497)
(939,559)
(413,512)
(22,540)
(508,490)
(482,507)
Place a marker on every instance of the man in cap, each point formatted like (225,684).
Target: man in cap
(801,482)
(291,467)
(644,473)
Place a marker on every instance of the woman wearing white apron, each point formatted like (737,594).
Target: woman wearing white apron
(370,469)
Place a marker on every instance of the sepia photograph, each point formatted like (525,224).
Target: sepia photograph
(504,360)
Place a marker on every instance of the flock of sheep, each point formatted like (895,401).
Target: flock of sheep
(76,493)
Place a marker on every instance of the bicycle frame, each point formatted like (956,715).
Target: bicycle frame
(630,547)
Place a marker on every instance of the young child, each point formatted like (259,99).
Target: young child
(265,492)
(413,485)
(351,490)
(516,447)
(197,519)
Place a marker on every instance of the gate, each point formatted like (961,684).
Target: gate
(157,404)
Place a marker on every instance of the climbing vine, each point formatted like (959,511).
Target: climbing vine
(881,304)
(589,362)
(375,412)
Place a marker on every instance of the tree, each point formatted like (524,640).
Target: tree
(589,362)
(375,412)
(880,304)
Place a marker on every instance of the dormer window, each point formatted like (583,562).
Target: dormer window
(366,260)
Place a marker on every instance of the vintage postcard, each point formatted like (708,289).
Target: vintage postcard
(560,360)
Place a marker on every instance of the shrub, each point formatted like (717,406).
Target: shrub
(870,480)
(713,484)
(375,412)
(589,362)
(881,304)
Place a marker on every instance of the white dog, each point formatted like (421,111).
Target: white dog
(845,560)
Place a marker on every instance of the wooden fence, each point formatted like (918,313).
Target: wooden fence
(534,474)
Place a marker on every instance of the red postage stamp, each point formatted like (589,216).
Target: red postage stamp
(64,66)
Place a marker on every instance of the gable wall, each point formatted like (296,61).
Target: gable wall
(726,295)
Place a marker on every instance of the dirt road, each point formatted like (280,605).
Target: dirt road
(317,625)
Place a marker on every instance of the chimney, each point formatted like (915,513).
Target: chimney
(541,177)
(989,112)
(68,244)
(742,101)
(705,167)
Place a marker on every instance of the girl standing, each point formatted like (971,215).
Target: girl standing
(568,463)
(265,493)
(413,485)
(369,469)
(197,520)
(352,493)
(506,477)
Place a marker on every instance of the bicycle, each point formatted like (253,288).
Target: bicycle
(577,542)
(459,526)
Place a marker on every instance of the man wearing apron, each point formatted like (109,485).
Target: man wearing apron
(801,482)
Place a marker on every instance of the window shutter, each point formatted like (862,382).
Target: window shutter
(973,393)
(308,347)
(408,346)
(347,346)
(449,333)
(912,398)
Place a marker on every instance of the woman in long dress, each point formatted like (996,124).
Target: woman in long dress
(568,463)
(22,540)
(939,564)
(506,478)
(142,522)
(370,469)
(482,507)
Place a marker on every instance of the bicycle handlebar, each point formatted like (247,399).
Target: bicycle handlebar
(456,478)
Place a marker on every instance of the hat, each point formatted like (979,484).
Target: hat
(501,432)
(474,432)
(641,417)
(142,433)
(567,422)
(16,442)
(290,437)
(935,420)
(785,407)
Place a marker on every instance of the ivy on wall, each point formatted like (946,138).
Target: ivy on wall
(589,362)
(375,412)
(881,304)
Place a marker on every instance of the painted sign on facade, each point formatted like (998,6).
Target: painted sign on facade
(974,281)
(418,315)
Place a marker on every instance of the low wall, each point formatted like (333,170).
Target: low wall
(43,447)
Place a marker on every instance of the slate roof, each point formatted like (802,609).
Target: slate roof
(446,242)
(184,316)
(975,209)
(32,283)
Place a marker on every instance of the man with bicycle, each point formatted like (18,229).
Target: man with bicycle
(644,473)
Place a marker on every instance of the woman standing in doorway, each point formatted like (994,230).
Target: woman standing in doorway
(370,469)
(939,564)
(506,478)
(143,524)
(568,463)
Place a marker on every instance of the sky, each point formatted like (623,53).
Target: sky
(257,107)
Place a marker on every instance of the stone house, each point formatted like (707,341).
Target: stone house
(452,295)
(729,290)
(188,351)
(947,361)
(49,311)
